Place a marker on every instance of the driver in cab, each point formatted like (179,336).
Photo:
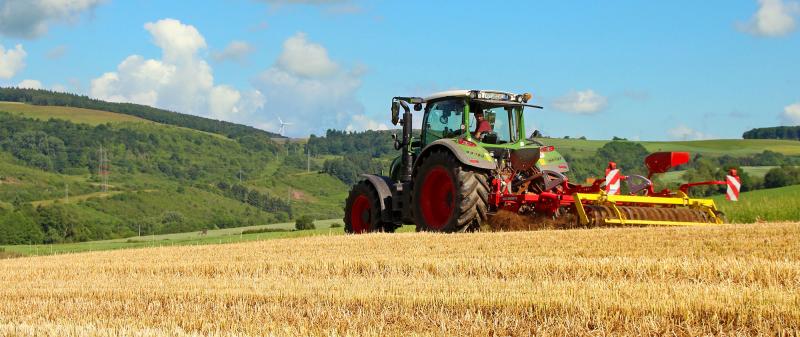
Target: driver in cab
(482,126)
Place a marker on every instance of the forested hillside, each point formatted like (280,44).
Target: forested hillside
(162,179)
(172,173)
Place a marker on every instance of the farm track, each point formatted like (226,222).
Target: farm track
(742,279)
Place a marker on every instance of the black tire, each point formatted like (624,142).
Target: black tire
(364,199)
(466,201)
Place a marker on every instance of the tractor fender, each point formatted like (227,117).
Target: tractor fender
(471,156)
(383,186)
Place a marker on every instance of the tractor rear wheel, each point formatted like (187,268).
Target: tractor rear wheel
(449,196)
(362,212)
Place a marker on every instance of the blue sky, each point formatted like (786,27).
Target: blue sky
(642,70)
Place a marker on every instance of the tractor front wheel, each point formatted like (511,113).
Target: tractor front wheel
(362,213)
(449,196)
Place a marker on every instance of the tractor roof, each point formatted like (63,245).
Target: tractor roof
(486,96)
(458,93)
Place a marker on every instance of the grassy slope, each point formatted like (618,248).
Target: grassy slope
(734,147)
(777,204)
(316,194)
(677,176)
(719,280)
(77,115)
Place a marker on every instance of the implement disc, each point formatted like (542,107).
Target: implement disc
(599,214)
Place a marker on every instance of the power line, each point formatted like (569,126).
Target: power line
(103,169)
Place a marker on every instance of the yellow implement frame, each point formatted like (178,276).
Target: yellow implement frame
(611,201)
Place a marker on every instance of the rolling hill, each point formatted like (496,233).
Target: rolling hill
(714,147)
(176,173)
(164,178)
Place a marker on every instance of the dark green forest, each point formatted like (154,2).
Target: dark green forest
(777,132)
(162,164)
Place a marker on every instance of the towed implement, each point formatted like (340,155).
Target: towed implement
(472,162)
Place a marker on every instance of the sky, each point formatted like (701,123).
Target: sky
(645,70)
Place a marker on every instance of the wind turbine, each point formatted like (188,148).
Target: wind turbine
(283,125)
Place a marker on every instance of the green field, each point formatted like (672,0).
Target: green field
(227,235)
(776,204)
(219,236)
(780,204)
(77,115)
(715,147)
(676,177)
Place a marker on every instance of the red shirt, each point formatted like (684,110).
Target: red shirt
(484,126)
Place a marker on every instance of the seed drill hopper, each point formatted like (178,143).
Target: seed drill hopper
(472,161)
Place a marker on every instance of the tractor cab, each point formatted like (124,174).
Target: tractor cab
(486,117)
(483,125)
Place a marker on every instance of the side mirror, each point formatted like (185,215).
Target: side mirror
(418,107)
(395,112)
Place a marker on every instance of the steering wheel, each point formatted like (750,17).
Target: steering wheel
(637,184)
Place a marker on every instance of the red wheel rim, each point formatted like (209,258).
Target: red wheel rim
(359,214)
(438,198)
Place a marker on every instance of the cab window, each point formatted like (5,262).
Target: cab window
(502,120)
(444,119)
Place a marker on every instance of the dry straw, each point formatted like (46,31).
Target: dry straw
(742,279)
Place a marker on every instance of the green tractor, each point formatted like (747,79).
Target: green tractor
(472,160)
(469,161)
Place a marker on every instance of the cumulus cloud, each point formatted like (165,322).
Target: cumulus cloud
(581,102)
(791,114)
(307,88)
(773,18)
(683,132)
(31,18)
(303,86)
(236,51)
(304,58)
(363,122)
(177,41)
(29,84)
(181,80)
(11,61)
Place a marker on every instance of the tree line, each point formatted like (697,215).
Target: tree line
(777,132)
(247,135)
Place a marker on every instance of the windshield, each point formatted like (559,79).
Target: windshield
(444,120)
(493,124)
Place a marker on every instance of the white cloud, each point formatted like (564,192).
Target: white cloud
(177,41)
(773,18)
(59,88)
(181,81)
(304,86)
(31,18)
(306,58)
(222,101)
(11,61)
(581,102)
(307,88)
(683,132)
(235,51)
(791,114)
(362,122)
(29,84)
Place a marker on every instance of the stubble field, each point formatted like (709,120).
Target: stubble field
(737,279)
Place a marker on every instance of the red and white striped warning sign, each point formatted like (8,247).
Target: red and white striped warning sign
(613,182)
(733,188)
